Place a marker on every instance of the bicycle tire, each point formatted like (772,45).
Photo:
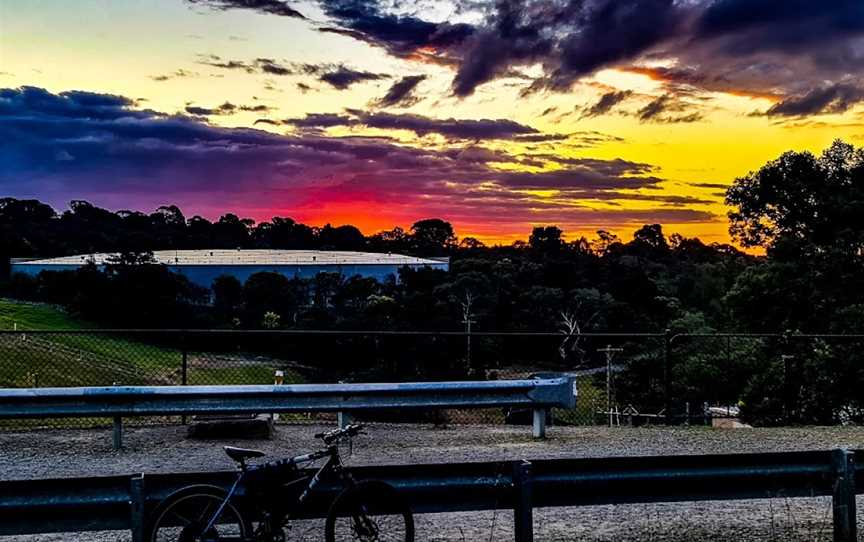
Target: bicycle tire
(193,497)
(369,500)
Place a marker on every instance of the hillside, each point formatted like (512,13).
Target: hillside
(34,316)
(103,359)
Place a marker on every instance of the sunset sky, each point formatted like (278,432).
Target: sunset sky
(496,116)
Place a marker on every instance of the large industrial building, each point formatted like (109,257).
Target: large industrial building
(202,266)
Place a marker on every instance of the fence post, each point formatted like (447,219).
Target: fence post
(523,511)
(845,522)
(539,423)
(137,509)
(667,360)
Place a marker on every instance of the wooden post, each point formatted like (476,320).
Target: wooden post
(523,511)
(136,506)
(845,522)
(539,423)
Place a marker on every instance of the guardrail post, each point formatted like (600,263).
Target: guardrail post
(136,506)
(667,362)
(539,423)
(344,419)
(845,523)
(184,366)
(523,511)
(118,433)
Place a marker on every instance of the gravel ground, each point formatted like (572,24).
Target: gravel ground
(59,453)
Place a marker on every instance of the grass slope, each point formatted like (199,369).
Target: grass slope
(102,359)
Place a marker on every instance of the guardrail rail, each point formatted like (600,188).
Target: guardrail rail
(117,402)
(123,502)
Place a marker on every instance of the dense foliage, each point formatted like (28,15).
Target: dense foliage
(600,284)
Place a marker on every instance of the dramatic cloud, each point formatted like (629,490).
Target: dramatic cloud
(272,7)
(607,102)
(748,47)
(602,34)
(405,36)
(654,110)
(420,125)
(342,77)
(829,99)
(101,147)
(401,94)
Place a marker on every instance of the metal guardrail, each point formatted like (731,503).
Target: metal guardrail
(124,401)
(123,502)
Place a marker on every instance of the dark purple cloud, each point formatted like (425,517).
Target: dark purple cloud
(608,32)
(837,98)
(401,36)
(103,148)
(422,125)
(272,7)
(754,47)
(606,103)
(342,77)
(658,109)
(401,93)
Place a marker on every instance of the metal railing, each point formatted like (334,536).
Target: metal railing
(777,379)
(538,395)
(123,502)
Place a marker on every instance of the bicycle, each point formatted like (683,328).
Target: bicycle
(366,510)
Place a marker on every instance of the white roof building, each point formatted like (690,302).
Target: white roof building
(202,266)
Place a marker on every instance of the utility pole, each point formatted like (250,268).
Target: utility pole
(468,319)
(610,354)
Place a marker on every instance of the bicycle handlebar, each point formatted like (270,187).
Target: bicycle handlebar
(349,431)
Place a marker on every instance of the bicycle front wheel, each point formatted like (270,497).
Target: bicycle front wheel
(369,511)
(185,515)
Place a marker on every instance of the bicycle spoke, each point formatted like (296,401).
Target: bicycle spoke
(183,520)
(206,513)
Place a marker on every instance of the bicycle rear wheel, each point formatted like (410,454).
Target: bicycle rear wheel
(369,511)
(184,516)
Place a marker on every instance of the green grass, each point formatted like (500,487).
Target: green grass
(98,359)
(36,316)
(250,374)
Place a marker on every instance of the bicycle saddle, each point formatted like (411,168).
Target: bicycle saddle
(242,454)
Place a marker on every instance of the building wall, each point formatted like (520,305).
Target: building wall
(203,275)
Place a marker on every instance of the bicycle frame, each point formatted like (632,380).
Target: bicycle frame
(333,464)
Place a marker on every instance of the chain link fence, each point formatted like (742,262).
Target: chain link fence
(622,379)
